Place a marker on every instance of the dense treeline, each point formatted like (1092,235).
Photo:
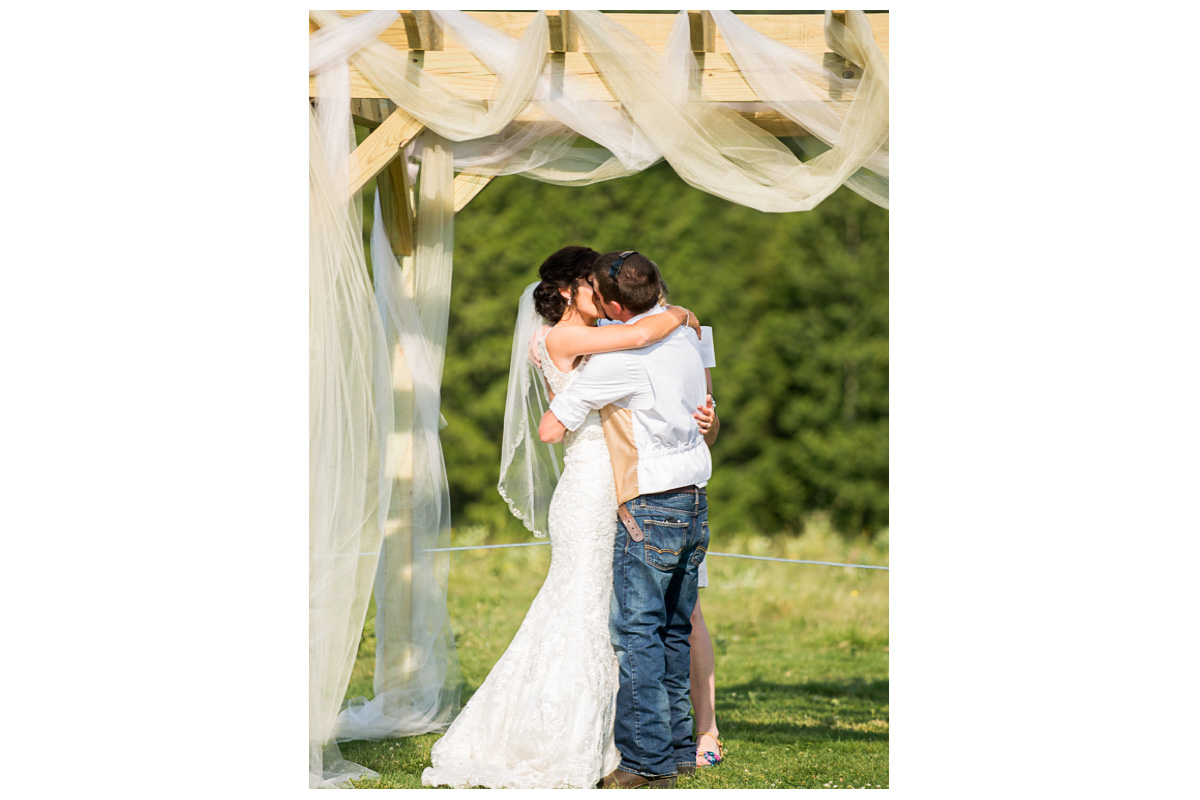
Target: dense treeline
(799,303)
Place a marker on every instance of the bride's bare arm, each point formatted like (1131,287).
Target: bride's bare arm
(572,341)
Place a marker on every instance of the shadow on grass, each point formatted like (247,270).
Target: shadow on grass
(854,689)
(813,711)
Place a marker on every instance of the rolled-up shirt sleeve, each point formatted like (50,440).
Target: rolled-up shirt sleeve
(604,379)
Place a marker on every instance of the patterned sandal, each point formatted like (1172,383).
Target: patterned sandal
(713,758)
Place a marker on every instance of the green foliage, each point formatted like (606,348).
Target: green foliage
(799,303)
(801,651)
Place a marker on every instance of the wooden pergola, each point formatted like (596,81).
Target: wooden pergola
(419,42)
(418,37)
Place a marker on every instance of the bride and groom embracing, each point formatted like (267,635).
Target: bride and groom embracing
(595,685)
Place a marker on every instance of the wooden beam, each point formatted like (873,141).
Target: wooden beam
(720,78)
(466,186)
(396,207)
(378,149)
(840,66)
(462,73)
(703,31)
(798,31)
(774,123)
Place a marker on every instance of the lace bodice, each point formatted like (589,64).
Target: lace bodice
(558,380)
(591,430)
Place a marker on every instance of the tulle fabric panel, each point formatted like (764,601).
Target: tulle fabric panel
(711,147)
(416,677)
(344,454)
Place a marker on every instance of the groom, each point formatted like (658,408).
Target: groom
(661,463)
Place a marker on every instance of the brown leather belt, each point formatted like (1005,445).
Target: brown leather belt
(630,523)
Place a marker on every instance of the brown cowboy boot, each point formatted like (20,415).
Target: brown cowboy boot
(620,779)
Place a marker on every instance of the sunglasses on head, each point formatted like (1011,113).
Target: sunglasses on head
(616,265)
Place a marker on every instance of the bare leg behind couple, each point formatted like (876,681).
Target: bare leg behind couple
(704,663)
(704,690)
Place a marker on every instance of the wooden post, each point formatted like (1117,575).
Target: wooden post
(837,65)
(703,30)
(423,32)
(564,37)
(393,656)
(395,205)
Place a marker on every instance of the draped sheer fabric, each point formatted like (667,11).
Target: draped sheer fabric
(379,500)
(416,672)
(344,452)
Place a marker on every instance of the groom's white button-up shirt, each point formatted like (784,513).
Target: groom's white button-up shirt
(646,399)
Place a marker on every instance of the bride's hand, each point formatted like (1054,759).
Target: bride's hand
(534,355)
(690,319)
(706,414)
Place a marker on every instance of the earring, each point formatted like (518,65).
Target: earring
(569,299)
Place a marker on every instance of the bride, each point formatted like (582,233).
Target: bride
(543,718)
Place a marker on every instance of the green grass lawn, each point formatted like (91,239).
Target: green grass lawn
(801,650)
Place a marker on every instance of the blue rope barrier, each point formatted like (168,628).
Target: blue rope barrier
(483,547)
(797,561)
(710,552)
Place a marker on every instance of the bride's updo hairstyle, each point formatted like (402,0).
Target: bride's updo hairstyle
(562,270)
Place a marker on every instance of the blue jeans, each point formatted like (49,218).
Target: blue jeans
(654,592)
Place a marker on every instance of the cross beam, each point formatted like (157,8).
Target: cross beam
(721,79)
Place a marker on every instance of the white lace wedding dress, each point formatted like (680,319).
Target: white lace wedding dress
(543,718)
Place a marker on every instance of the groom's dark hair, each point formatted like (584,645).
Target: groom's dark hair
(629,278)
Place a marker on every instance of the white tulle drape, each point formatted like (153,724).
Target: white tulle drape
(662,114)
(346,432)
(379,499)
(378,494)
(416,677)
